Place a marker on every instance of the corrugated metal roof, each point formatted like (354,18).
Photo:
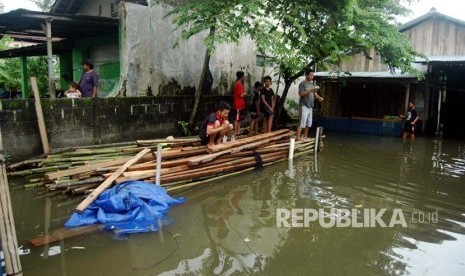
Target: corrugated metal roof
(364,75)
(441,59)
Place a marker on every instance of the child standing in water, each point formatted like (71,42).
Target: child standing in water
(73,91)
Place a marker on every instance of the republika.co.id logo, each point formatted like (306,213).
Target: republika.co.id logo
(357,218)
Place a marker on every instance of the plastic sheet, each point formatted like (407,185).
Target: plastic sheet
(130,207)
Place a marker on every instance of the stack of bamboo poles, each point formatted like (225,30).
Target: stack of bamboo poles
(185,163)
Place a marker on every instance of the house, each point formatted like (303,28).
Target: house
(131,46)
(368,99)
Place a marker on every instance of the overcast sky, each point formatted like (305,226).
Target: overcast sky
(454,8)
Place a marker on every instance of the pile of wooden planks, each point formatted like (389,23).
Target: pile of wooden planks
(185,163)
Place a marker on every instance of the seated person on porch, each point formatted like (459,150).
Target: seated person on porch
(215,126)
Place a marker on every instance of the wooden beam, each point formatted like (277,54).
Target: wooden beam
(40,116)
(109,181)
(63,233)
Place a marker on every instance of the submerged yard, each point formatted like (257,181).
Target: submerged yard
(228,227)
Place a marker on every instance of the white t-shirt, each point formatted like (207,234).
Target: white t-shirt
(72,94)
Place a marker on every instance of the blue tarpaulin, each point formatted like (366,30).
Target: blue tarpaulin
(130,207)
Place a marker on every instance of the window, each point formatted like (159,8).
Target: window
(100,10)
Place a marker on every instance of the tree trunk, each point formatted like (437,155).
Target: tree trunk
(282,100)
(198,92)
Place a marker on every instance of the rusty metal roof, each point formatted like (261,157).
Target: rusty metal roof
(29,25)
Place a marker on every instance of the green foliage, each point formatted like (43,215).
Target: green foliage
(292,104)
(185,127)
(10,69)
(44,5)
(304,33)
(220,21)
(301,33)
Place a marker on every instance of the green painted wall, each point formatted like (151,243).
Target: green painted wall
(108,73)
(24,78)
(66,70)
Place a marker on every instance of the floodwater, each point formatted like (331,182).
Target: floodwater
(229,227)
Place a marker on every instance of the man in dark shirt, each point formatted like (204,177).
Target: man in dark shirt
(267,104)
(255,107)
(88,85)
(410,120)
(215,126)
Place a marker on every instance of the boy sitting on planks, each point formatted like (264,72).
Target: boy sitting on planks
(215,126)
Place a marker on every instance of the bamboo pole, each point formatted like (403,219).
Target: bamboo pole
(109,181)
(40,116)
(158,170)
(7,223)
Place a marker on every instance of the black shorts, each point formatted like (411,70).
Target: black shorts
(253,115)
(409,128)
(239,115)
(266,112)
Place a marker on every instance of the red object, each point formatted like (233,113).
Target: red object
(218,118)
(239,102)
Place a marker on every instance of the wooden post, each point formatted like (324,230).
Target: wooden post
(319,134)
(24,78)
(7,223)
(291,148)
(40,116)
(158,171)
(438,121)
(51,84)
(407,97)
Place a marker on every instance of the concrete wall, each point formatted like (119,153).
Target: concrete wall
(150,61)
(79,122)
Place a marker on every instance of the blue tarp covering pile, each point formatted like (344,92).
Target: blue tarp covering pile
(130,207)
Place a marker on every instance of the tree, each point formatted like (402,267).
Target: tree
(304,33)
(10,69)
(44,5)
(2,7)
(299,33)
(218,21)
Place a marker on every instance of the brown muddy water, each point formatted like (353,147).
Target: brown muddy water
(229,227)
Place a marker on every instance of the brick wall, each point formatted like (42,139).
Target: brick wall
(79,122)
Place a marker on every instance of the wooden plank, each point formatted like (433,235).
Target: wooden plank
(63,233)
(229,145)
(109,181)
(40,116)
(85,169)
(260,142)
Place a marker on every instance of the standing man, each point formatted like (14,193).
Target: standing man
(88,84)
(307,94)
(239,102)
(410,120)
(267,105)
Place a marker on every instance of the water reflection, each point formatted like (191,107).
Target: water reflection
(229,228)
